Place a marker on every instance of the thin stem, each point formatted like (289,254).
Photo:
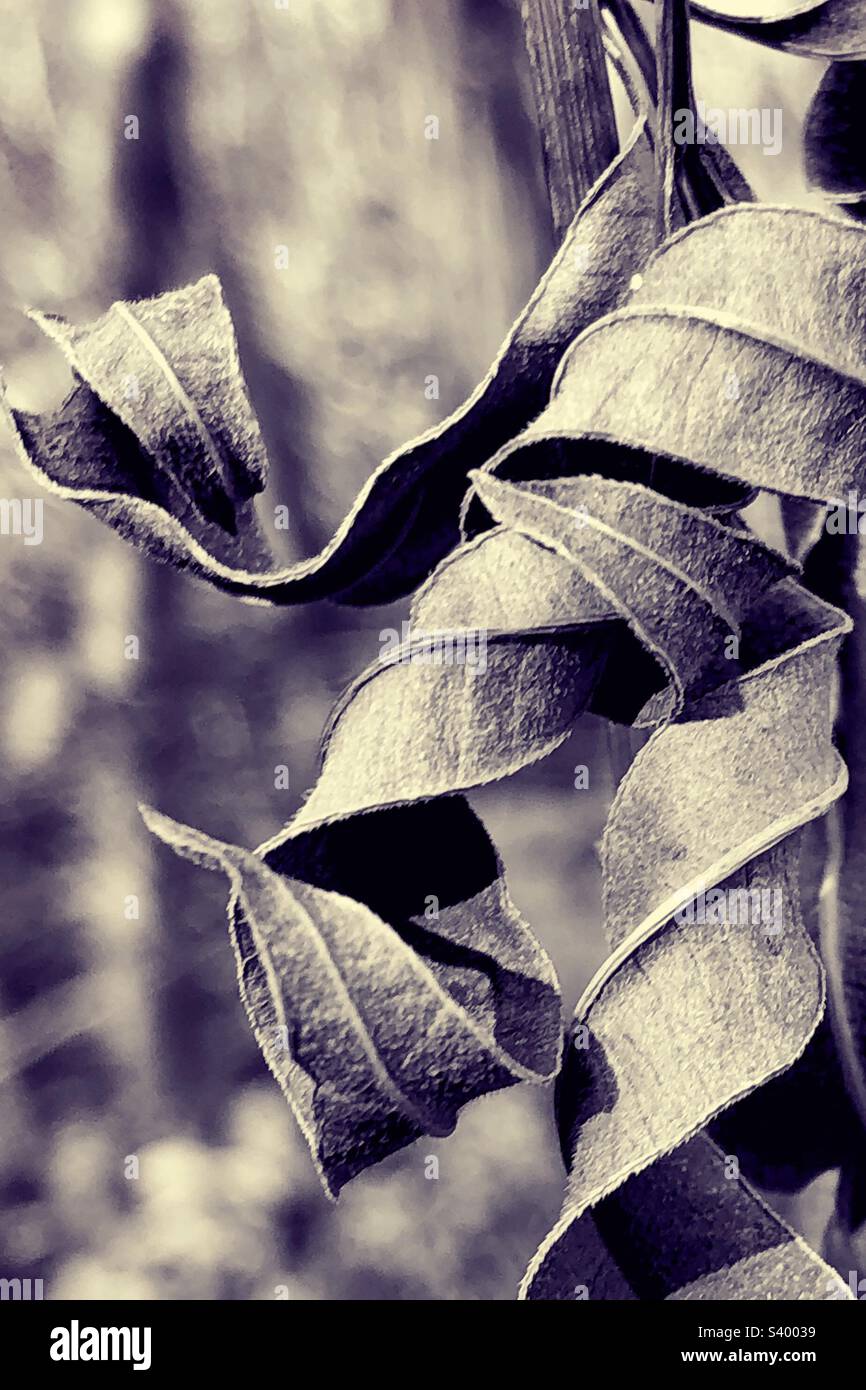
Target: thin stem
(674,81)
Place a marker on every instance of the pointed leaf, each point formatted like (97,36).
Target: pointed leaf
(373,1041)
(177,478)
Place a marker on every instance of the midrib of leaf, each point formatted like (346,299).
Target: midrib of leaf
(559,548)
(427,1122)
(190,409)
(448,1003)
(717,872)
(720,319)
(655,557)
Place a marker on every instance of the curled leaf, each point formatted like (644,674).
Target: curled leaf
(158,438)
(456,701)
(726,359)
(702,903)
(380,1030)
(683,1230)
(679,578)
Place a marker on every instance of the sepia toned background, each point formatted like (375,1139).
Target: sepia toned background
(122,1037)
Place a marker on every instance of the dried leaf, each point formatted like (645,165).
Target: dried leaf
(379,1032)
(701,837)
(157,437)
(371,859)
(743,767)
(741,352)
(173,467)
(461,700)
(679,578)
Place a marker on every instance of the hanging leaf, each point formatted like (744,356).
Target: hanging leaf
(375,1041)
(158,438)
(741,352)
(459,701)
(372,864)
(701,903)
(732,801)
(833,134)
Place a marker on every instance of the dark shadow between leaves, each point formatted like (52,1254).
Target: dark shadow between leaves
(407,862)
(686,1193)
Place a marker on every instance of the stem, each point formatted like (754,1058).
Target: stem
(572,98)
(635,35)
(674,83)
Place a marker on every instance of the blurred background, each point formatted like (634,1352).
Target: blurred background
(144,1150)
